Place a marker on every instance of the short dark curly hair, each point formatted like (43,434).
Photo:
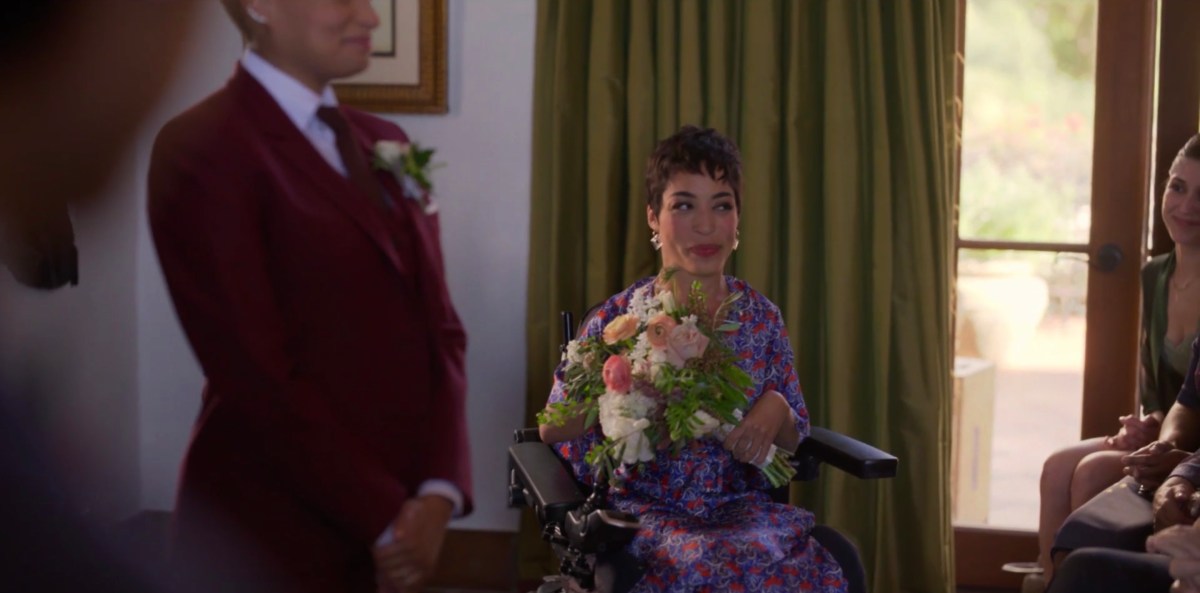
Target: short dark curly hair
(693,150)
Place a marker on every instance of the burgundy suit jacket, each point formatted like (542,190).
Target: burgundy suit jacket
(332,353)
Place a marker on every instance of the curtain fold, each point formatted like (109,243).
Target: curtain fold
(843,112)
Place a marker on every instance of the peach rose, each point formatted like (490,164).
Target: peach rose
(658,329)
(621,328)
(685,342)
(618,376)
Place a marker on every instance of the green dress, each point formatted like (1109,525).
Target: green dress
(1163,364)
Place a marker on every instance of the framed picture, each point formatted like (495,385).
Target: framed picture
(408,61)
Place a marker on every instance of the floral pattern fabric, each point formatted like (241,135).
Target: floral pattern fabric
(708,523)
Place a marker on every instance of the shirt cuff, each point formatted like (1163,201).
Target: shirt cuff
(1188,469)
(386,537)
(445,489)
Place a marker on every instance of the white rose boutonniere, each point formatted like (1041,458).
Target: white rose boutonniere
(412,166)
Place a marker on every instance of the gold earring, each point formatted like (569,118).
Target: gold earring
(737,239)
(656,241)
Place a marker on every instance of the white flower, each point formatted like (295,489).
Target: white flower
(643,304)
(668,301)
(412,189)
(391,151)
(625,418)
(637,445)
(656,359)
(641,348)
(705,423)
(572,356)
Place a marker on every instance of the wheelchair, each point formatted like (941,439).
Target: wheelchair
(589,540)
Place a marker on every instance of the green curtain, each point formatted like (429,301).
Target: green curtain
(844,114)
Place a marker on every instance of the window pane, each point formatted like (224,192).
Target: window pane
(1018,384)
(1028,104)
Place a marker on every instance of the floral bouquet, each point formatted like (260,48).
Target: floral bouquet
(657,376)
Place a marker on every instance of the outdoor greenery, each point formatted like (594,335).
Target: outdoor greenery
(1028,105)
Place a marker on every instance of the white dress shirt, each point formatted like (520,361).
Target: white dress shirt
(300,104)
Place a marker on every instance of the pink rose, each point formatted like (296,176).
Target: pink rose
(658,329)
(617,375)
(685,342)
(621,328)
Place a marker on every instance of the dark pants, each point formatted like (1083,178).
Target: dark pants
(1117,518)
(1100,570)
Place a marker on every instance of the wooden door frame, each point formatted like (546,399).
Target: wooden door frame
(1120,184)
(1125,35)
(1178,103)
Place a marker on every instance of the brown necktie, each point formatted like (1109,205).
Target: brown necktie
(357,169)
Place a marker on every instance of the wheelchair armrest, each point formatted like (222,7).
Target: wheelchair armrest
(527,435)
(845,453)
(537,477)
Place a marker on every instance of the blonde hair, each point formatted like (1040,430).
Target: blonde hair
(237,12)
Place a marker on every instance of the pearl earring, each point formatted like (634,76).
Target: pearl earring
(656,241)
(256,16)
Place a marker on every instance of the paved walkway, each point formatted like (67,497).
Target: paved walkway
(1038,407)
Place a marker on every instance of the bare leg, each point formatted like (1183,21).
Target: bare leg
(1057,474)
(1094,473)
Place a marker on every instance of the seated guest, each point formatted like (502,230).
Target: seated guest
(1121,517)
(1172,565)
(707,519)
(1073,475)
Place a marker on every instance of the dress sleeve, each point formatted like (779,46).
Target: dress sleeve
(1188,469)
(1187,395)
(781,370)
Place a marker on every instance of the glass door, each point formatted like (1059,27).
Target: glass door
(1054,160)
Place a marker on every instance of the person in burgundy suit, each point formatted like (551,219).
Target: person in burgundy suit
(331,449)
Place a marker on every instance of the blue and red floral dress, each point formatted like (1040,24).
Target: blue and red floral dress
(708,523)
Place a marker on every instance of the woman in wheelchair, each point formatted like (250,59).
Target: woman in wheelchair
(707,522)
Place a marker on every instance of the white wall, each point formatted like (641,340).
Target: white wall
(168,377)
(485,142)
(484,199)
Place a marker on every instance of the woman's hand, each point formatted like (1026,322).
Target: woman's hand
(1136,432)
(573,429)
(1171,503)
(751,439)
(1151,464)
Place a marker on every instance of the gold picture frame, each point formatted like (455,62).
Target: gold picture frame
(408,69)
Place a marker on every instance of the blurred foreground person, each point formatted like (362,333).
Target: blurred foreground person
(79,77)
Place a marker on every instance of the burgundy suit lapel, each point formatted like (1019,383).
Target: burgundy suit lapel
(416,221)
(295,150)
(410,212)
(421,227)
